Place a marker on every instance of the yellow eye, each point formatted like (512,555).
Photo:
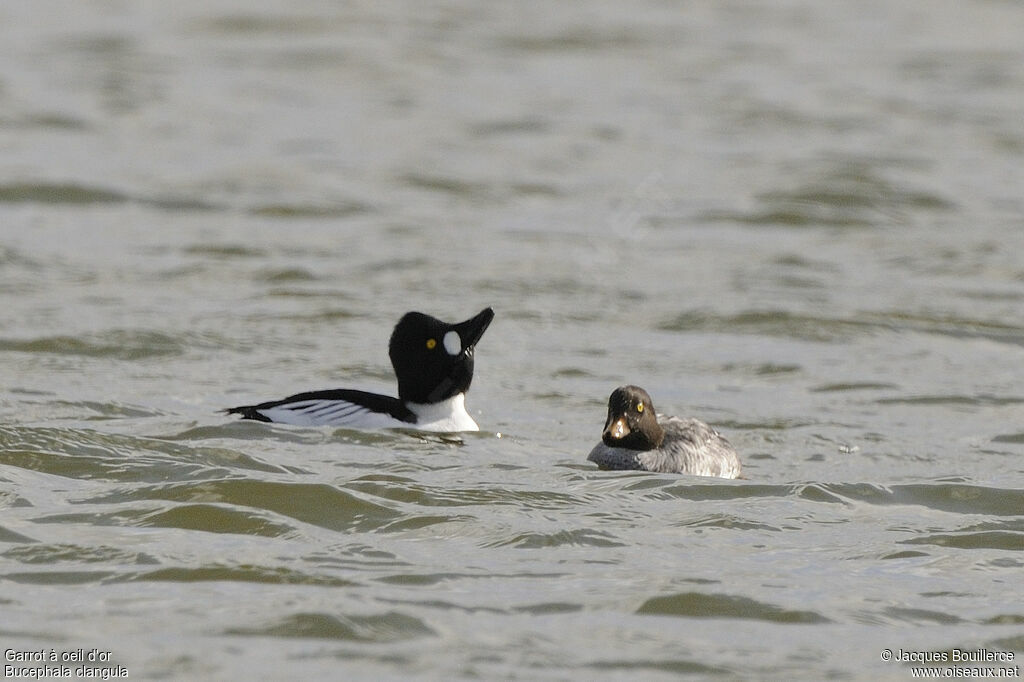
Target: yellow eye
(431,343)
(639,407)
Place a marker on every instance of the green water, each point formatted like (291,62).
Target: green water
(799,223)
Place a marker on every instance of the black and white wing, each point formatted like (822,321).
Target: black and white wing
(339,407)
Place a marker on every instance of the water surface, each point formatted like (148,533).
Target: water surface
(800,223)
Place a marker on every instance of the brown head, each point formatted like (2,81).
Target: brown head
(632,422)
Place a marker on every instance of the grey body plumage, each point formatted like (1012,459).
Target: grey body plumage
(636,437)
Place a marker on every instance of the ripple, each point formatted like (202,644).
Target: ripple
(77,194)
(255,24)
(423,579)
(762,369)
(900,614)
(52,554)
(224,251)
(215,519)
(1009,438)
(730,521)
(720,490)
(314,503)
(575,39)
(508,126)
(390,626)
(672,667)
(700,605)
(87,454)
(118,344)
(788,324)
(12,256)
(1011,643)
(904,555)
(853,386)
(58,193)
(65,452)
(409,523)
(58,577)
(577,538)
(280,275)
(110,410)
(984,540)
(548,608)
(357,556)
(403,490)
(296,211)
(949,497)
(817,492)
(847,193)
(457,187)
(51,121)
(769,323)
(444,605)
(272,575)
(123,516)
(249,430)
(981,399)
(8,535)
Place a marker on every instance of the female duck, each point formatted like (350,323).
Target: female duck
(636,438)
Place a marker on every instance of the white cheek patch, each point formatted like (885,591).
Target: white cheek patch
(453,343)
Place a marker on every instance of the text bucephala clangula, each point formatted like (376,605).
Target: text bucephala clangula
(636,437)
(433,362)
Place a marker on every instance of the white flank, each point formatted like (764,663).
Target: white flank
(448,416)
(331,413)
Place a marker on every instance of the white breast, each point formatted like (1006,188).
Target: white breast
(448,416)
